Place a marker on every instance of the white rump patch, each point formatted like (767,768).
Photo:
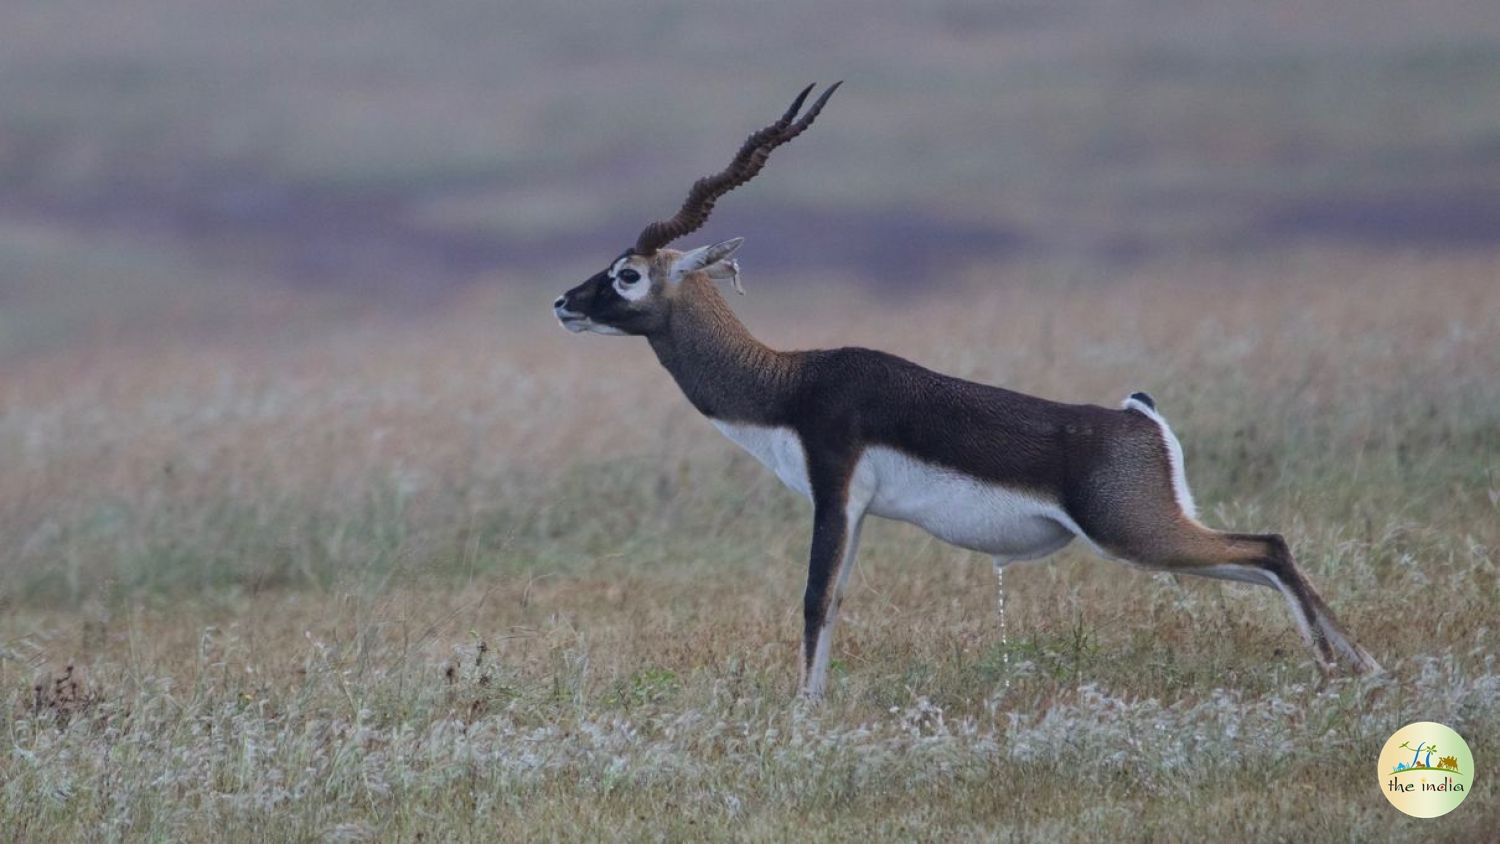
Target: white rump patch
(1180,488)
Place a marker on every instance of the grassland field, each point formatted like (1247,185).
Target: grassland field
(315,527)
(467,577)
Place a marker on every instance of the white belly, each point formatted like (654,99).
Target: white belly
(954,507)
(962,510)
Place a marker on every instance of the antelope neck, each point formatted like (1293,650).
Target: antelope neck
(725,372)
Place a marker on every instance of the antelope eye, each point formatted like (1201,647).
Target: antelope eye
(629,276)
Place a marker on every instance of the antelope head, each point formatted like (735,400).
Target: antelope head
(634,294)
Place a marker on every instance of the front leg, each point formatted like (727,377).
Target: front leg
(838,515)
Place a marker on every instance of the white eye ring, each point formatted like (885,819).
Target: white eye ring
(631,284)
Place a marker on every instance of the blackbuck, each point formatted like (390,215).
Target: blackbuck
(862,432)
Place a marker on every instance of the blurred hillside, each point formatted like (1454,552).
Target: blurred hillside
(196,164)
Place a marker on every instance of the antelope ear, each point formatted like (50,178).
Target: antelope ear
(704,256)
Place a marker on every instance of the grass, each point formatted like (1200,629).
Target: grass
(464,576)
(281,564)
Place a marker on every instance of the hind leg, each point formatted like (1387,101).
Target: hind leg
(1159,529)
(1262,559)
(1307,605)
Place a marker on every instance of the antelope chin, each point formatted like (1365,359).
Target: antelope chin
(601,328)
(580,324)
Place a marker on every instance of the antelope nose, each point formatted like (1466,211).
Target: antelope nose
(561,300)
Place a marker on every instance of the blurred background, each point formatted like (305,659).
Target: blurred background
(173,170)
(275,276)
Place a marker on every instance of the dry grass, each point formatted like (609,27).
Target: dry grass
(468,576)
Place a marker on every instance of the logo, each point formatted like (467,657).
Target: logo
(1426,770)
